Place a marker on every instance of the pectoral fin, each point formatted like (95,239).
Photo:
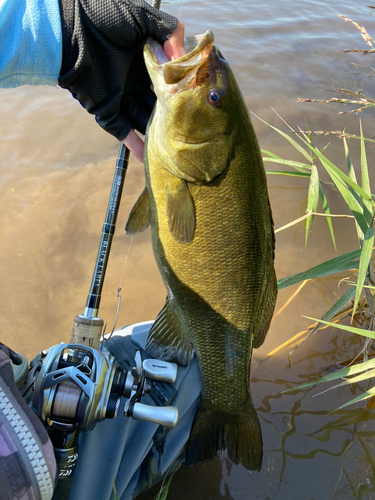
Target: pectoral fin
(140,215)
(181,213)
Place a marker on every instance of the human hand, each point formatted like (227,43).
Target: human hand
(103,64)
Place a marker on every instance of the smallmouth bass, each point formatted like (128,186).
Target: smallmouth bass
(212,234)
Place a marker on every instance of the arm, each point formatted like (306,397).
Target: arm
(31,43)
(92,48)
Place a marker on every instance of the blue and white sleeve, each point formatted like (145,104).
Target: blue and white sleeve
(30,42)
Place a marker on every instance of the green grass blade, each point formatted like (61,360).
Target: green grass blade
(344,372)
(312,274)
(354,380)
(355,207)
(308,131)
(352,329)
(288,173)
(351,173)
(367,208)
(359,398)
(300,167)
(162,495)
(330,167)
(326,210)
(289,139)
(349,164)
(364,261)
(312,197)
(364,168)
(115,497)
(337,306)
(269,153)
(342,263)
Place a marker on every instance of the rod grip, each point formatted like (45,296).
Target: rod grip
(86,331)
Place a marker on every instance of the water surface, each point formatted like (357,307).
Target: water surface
(56,172)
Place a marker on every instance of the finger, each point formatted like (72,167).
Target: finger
(174,47)
(135,144)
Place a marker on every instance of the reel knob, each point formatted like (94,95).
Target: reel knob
(162,415)
(160,370)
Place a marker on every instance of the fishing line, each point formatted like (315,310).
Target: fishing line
(179,17)
(119,288)
(126,260)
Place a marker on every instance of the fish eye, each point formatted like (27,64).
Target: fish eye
(215,97)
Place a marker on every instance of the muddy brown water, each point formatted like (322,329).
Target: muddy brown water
(56,172)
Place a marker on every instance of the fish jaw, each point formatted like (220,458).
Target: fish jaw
(193,133)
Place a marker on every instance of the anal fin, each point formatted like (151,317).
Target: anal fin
(166,340)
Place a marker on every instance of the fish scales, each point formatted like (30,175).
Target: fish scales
(213,241)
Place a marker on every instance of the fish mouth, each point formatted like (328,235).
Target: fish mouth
(181,70)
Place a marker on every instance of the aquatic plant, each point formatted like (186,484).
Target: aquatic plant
(356,98)
(164,489)
(358,197)
(361,204)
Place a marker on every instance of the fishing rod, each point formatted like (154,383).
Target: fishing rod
(88,327)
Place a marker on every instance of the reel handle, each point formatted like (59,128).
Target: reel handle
(162,415)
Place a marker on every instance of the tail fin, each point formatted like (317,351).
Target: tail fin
(239,435)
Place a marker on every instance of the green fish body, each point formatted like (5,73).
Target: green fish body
(212,234)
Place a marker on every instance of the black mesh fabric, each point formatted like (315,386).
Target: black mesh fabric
(103,64)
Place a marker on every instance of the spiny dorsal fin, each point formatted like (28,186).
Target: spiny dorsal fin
(166,339)
(140,215)
(181,213)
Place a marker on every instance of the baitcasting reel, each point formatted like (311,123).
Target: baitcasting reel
(78,386)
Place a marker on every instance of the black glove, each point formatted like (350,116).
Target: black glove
(124,350)
(103,64)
